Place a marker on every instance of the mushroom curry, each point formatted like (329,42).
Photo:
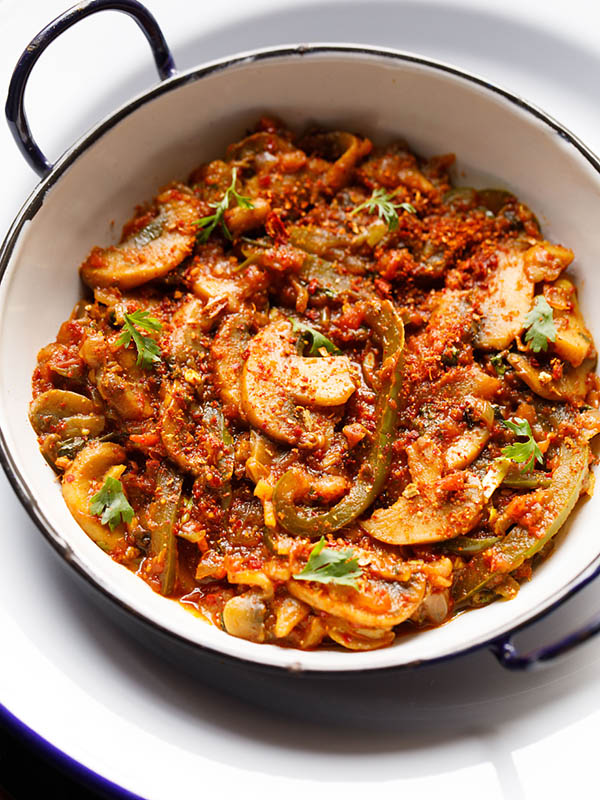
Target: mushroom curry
(318,395)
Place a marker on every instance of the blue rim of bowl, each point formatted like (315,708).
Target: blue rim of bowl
(34,202)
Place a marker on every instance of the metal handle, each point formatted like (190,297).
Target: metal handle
(508,656)
(15,110)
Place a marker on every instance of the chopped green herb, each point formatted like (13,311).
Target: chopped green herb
(111,502)
(330,566)
(540,325)
(70,447)
(314,338)
(382,203)
(498,364)
(148,351)
(209,223)
(450,356)
(527,452)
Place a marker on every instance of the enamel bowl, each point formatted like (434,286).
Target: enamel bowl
(499,141)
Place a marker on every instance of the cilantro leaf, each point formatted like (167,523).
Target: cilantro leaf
(382,203)
(314,338)
(498,364)
(526,453)
(540,325)
(330,566)
(111,502)
(209,223)
(148,351)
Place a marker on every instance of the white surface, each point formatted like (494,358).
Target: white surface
(465,728)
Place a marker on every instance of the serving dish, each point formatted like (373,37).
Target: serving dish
(126,157)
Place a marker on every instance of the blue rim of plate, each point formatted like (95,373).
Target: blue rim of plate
(69,766)
(28,501)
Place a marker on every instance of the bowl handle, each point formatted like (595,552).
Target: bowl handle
(507,654)
(15,111)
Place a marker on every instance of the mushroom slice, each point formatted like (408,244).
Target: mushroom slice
(196,437)
(67,413)
(572,385)
(84,477)
(545,261)
(376,604)
(463,381)
(227,353)
(353,638)
(117,377)
(191,321)
(244,616)
(65,421)
(275,379)
(573,341)
(345,149)
(451,509)
(505,302)
(151,251)
(325,381)
(425,461)
(466,448)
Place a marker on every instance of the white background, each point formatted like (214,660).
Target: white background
(462,730)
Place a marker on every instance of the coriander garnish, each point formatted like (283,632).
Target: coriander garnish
(209,223)
(540,325)
(382,203)
(527,452)
(330,566)
(314,338)
(111,502)
(148,351)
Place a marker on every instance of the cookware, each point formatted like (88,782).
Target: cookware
(189,117)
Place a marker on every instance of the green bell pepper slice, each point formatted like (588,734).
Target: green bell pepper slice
(519,544)
(389,330)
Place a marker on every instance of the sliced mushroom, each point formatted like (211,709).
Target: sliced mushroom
(425,461)
(376,604)
(572,385)
(463,381)
(288,613)
(190,322)
(177,434)
(345,148)
(457,508)
(434,609)
(275,379)
(545,261)
(465,449)
(227,353)
(117,377)
(65,420)
(244,617)
(67,413)
(151,252)
(573,341)
(259,150)
(82,480)
(239,219)
(505,302)
(353,638)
